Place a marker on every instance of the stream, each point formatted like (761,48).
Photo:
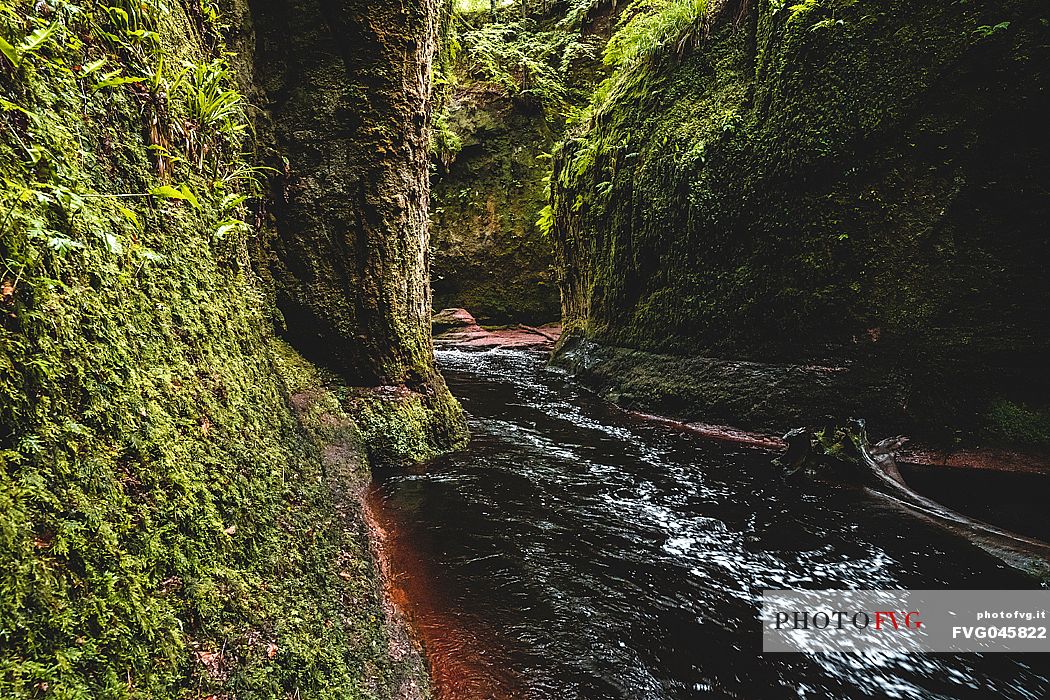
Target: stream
(576,551)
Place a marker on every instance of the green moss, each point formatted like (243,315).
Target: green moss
(488,254)
(1017,423)
(846,182)
(402,426)
(507,89)
(170,529)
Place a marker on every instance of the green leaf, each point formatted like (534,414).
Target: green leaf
(150,255)
(188,195)
(8,106)
(121,14)
(130,216)
(229,226)
(33,42)
(111,82)
(36,153)
(62,245)
(67,199)
(113,244)
(10,51)
(232,201)
(167,192)
(184,193)
(92,67)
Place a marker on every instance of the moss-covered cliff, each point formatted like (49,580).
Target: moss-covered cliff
(847,188)
(508,84)
(344,90)
(489,256)
(177,488)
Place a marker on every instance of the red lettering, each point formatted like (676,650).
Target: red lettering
(889,613)
(908,622)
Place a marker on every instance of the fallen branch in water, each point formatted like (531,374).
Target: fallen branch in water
(537,331)
(845,452)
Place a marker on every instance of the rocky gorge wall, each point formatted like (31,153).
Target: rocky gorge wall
(509,84)
(344,90)
(797,227)
(489,255)
(179,488)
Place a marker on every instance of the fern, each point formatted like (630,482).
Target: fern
(28,46)
(546,221)
(216,110)
(654,26)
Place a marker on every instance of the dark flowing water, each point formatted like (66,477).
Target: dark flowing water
(577,552)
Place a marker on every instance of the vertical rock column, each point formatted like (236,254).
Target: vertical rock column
(345,89)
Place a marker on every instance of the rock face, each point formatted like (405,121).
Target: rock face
(843,453)
(176,486)
(759,396)
(346,88)
(489,255)
(768,192)
(457,328)
(447,319)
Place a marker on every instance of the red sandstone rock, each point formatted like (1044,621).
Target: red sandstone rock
(457,328)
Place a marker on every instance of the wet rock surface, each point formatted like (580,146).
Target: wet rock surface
(345,91)
(754,396)
(447,319)
(457,328)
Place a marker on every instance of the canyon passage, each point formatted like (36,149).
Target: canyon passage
(233,232)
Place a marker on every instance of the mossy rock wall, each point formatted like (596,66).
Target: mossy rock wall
(489,256)
(344,89)
(497,127)
(176,487)
(835,182)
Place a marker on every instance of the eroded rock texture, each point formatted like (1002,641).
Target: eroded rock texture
(346,85)
(345,90)
(851,185)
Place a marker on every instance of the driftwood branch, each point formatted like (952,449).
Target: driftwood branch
(847,451)
(537,331)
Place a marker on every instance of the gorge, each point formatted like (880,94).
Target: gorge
(230,466)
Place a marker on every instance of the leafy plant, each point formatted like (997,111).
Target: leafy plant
(183,193)
(519,58)
(546,221)
(228,226)
(28,46)
(985,30)
(799,10)
(729,121)
(62,245)
(577,13)
(216,110)
(210,99)
(445,143)
(527,56)
(113,79)
(654,26)
(130,26)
